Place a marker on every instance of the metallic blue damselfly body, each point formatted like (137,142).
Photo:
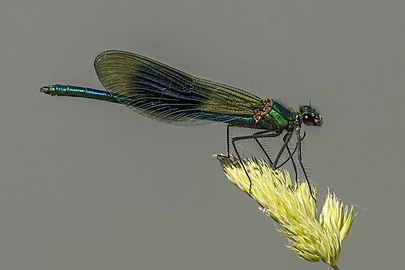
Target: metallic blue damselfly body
(166,94)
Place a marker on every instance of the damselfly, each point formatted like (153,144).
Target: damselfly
(166,94)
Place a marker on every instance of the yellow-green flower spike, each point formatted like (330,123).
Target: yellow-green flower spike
(291,205)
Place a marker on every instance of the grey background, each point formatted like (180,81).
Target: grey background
(91,185)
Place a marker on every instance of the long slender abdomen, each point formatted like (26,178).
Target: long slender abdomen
(77,91)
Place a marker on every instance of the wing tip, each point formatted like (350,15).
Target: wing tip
(107,53)
(100,56)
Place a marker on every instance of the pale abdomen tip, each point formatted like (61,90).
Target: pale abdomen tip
(45,89)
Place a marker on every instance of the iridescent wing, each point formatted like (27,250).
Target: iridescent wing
(166,94)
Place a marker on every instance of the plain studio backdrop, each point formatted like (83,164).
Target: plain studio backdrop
(86,184)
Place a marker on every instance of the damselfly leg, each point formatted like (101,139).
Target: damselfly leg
(276,163)
(255,137)
(299,139)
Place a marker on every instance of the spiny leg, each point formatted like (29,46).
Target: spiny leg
(261,146)
(293,163)
(286,140)
(301,164)
(292,159)
(266,134)
(261,134)
(227,141)
(291,155)
(243,166)
(228,153)
(257,141)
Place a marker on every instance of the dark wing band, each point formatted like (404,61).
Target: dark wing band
(166,94)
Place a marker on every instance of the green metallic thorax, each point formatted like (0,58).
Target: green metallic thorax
(283,116)
(277,119)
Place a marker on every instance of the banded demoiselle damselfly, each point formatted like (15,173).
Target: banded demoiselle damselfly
(166,94)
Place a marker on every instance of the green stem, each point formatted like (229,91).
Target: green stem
(335,267)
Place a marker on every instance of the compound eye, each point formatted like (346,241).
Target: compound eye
(308,120)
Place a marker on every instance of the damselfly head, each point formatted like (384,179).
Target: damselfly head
(310,116)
